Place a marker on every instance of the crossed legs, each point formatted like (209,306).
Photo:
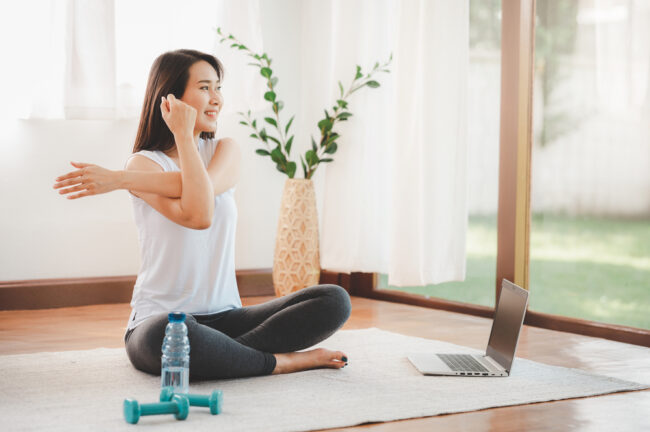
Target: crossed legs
(254,340)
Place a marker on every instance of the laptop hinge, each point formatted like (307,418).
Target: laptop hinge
(494,363)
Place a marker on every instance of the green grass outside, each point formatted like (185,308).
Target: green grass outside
(590,268)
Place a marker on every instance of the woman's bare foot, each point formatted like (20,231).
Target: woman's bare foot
(313,359)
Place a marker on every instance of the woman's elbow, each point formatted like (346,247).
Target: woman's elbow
(200,221)
(201,225)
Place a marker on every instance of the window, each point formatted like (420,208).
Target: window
(590,229)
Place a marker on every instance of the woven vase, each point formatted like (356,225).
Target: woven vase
(296,261)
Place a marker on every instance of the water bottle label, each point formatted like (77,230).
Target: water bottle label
(176,377)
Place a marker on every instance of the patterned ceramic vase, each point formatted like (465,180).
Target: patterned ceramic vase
(296,261)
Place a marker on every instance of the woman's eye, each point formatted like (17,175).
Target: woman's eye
(204,88)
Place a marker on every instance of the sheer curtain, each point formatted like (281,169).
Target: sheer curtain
(395,198)
(80,59)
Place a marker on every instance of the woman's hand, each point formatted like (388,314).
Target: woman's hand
(179,116)
(89,179)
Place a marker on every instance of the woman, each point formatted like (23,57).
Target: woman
(181,181)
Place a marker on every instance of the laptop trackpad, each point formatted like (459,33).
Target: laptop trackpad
(430,364)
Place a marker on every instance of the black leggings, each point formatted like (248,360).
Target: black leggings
(239,342)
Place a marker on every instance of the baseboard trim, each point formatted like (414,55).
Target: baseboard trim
(70,292)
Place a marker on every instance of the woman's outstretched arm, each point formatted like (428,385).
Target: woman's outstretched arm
(90,179)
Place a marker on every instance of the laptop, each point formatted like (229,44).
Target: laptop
(500,353)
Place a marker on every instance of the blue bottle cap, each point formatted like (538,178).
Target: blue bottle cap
(176,317)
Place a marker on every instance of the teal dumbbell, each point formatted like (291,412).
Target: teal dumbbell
(214,401)
(178,405)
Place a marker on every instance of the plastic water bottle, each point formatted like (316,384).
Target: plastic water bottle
(175,360)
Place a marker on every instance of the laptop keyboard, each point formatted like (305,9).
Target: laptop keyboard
(462,362)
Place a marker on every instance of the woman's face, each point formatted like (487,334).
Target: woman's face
(203,93)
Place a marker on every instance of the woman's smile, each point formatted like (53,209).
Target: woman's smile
(212,114)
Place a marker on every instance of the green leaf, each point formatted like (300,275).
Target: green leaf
(341,88)
(376,65)
(262,152)
(331,139)
(279,105)
(266,72)
(274,81)
(327,116)
(287,147)
(341,103)
(325,126)
(242,47)
(255,124)
(327,160)
(359,74)
(280,168)
(372,84)
(263,135)
(270,121)
(243,123)
(304,168)
(269,96)
(286,129)
(311,157)
(254,136)
(234,45)
(331,149)
(276,155)
(313,145)
(291,169)
(274,139)
(344,115)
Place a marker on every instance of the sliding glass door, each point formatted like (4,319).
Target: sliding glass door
(590,228)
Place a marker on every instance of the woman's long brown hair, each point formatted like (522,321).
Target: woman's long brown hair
(169,74)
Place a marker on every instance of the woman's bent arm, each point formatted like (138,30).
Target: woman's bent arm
(196,190)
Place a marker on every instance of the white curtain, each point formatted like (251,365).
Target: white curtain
(90,59)
(395,198)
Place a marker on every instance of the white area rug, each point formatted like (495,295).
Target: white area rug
(84,390)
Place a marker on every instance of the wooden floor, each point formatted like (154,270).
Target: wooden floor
(103,326)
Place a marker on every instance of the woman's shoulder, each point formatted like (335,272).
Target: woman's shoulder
(145,160)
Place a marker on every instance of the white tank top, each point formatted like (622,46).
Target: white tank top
(182,268)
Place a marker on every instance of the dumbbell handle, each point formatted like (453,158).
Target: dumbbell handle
(159,408)
(213,401)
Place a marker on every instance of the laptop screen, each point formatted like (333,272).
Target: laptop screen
(508,319)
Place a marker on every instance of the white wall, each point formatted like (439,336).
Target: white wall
(44,235)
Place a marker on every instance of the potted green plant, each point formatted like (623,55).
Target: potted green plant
(296,262)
